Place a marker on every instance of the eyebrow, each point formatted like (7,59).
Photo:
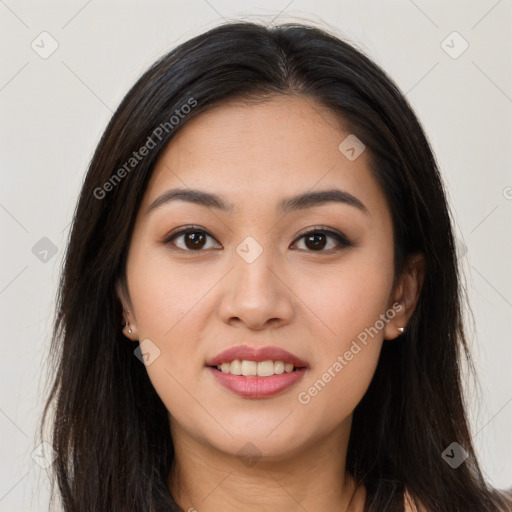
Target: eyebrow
(289,204)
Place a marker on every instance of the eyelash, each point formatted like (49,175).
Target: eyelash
(341,239)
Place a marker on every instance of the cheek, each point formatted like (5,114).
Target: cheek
(345,361)
(165,295)
(166,302)
(350,298)
(352,303)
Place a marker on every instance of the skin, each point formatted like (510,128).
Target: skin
(194,303)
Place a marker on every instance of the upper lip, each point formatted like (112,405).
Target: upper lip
(244,352)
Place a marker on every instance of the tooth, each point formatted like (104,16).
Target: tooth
(288,367)
(278,367)
(265,368)
(249,368)
(236,367)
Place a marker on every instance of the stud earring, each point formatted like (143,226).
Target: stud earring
(401,329)
(129,328)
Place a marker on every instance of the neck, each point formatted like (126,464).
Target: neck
(313,478)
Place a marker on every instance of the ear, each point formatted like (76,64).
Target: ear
(129,323)
(406,293)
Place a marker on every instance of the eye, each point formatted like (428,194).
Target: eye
(193,239)
(316,239)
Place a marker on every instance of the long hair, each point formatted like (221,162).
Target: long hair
(109,427)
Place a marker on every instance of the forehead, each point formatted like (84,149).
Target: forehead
(256,153)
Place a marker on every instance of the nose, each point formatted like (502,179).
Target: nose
(256,293)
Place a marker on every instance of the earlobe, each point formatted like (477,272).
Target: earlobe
(394,327)
(129,329)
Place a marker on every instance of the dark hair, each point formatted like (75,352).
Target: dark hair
(111,429)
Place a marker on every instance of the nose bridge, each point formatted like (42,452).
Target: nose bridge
(253,264)
(256,293)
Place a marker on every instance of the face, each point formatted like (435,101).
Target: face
(202,279)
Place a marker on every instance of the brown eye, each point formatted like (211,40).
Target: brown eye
(317,240)
(194,240)
(191,239)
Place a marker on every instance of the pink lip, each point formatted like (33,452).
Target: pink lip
(258,387)
(254,386)
(242,352)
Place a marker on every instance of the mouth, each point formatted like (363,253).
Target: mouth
(257,373)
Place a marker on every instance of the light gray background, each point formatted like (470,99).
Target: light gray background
(54,110)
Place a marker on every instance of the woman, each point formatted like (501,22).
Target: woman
(260,307)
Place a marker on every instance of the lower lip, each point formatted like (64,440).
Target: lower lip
(257,387)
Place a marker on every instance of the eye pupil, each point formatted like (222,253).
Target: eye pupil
(314,238)
(196,238)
